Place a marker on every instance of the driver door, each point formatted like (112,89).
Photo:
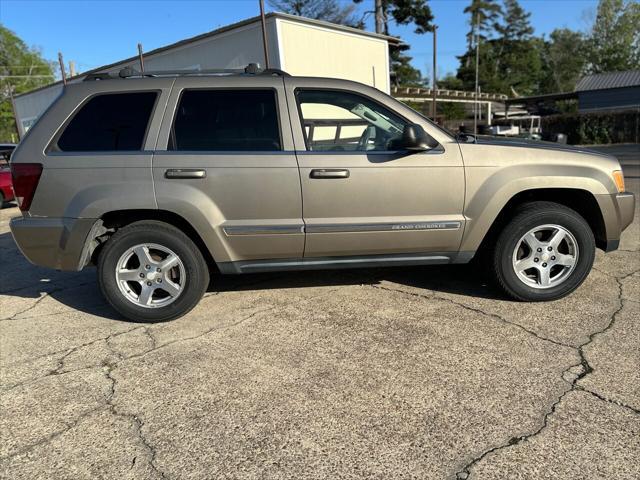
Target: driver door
(362,196)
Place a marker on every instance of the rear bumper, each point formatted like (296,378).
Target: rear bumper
(7,193)
(617,212)
(52,242)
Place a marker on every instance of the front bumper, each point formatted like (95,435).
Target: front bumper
(52,242)
(617,211)
(626,206)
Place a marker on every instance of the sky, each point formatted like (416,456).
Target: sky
(93,33)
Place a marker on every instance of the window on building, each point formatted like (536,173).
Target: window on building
(115,121)
(343,121)
(226,120)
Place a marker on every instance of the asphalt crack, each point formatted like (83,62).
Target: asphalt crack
(52,436)
(585,369)
(477,310)
(60,364)
(41,298)
(135,420)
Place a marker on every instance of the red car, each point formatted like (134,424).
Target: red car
(6,190)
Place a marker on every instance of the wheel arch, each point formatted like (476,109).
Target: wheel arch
(111,221)
(580,200)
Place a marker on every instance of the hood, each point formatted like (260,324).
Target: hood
(523,142)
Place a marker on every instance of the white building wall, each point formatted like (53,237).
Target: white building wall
(312,50)
(232,49)
(30,106)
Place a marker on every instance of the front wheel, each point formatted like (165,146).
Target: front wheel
(152,272)
(544,253)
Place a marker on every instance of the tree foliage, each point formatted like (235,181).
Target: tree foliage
(514,61)
(509,59)
(614,41)
(403,12)
(328,10)
(21,69)
(514,24)
(563,57)
(483,14)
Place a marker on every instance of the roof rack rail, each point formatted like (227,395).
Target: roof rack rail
(129,72)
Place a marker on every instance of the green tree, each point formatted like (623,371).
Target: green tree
(564,61)
(514,36)
(614,41)
(483,14)
(450,82)
(514,24)
(402,12)
(328,10)
(21,69)
(509,58)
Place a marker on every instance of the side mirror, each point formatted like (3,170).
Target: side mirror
(415,139)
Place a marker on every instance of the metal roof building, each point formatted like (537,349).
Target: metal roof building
(609,91)
(595,93)
(298,45)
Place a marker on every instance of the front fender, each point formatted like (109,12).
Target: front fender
(489,189)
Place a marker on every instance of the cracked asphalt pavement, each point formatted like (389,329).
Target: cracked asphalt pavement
(392,373)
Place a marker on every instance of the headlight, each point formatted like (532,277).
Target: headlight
(618,179)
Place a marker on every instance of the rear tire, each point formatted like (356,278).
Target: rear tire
(150,271)
(544,253)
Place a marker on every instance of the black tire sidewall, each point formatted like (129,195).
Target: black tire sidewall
(197,275)
(507,241)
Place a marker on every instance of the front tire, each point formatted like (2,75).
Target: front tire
(150,271)
(544,253)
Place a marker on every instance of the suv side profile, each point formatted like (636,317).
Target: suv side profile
(161,179)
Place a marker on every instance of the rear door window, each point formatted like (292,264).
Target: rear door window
(109,122)
(226,120)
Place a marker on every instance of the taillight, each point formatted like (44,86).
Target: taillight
(25,177)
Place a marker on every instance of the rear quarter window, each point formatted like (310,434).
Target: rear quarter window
(109,122)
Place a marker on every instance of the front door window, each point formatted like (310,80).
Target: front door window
(337,121)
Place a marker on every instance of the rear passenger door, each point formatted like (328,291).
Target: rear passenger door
(225,162)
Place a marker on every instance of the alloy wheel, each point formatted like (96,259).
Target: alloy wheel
(150,275)
(545,256)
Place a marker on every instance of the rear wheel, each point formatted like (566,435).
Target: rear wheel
(152,272)
(544,253)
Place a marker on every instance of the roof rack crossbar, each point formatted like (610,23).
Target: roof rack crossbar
(128,72)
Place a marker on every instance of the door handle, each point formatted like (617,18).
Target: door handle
(329,173)
(174,173)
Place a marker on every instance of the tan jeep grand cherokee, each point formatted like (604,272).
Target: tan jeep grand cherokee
(159,180)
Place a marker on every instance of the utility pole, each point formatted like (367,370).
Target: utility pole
(435,76)
(72,68)
(379,14)
(263,21)
(475,105)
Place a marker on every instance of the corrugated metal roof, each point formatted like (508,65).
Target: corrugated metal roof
(604,81)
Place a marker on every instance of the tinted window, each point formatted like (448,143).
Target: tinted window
(109,122)
(344,121)
(226,120)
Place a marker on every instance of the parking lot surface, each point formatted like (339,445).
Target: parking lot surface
(400,373)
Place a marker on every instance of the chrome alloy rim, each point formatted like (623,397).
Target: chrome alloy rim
(545,256)
(150,275)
